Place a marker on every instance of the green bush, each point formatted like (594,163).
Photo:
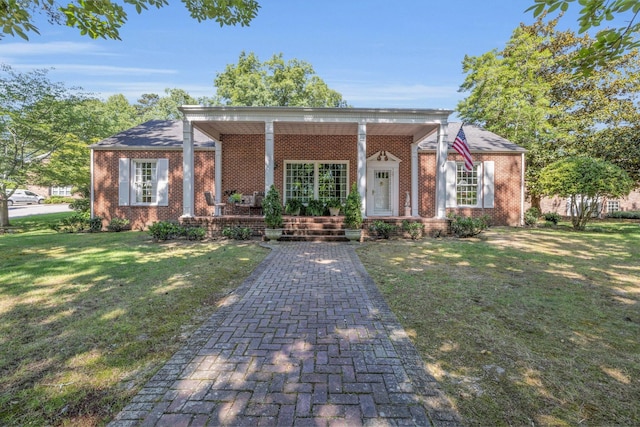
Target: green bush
(75,223)
(118,224)
(80,205)
(237,233)
(95,224)
(468,226)
(195,233)
(382,229)
(164,230)
(54,200)
(552,217)
(353,209)
(531,216)
(414,229)
(624,215)
(293,206)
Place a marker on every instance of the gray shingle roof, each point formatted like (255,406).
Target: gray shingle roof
(154,134)
(479,139)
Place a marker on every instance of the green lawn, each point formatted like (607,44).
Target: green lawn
(524,326)
(86,319)
(521,326)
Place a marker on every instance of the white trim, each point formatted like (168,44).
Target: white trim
(362,166)
(441,171)
(415,185)
(269,159)
(522,193)
(187,170)
(91,192)
(217,172)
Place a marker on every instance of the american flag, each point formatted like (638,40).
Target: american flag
(461,145)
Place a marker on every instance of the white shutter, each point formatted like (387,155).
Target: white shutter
(451,173)
(162,176)
(123,182)
(487,184)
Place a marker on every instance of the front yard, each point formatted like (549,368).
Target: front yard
(520,326)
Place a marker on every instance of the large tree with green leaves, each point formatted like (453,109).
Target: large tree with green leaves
(36,118)
(586,182)
(528,93)
(610,43)
(151,106)
(275,82)
(104,18)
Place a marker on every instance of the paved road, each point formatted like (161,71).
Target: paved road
(307,340)
(22,210)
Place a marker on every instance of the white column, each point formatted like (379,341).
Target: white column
(362,165)
(414,180)
(218,171)
(268,156)
(187,170)
(441,171)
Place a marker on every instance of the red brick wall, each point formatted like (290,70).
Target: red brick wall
(105,190)
(507,178)
(242,163)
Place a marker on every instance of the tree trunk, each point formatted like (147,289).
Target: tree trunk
(535,201)
(4,213)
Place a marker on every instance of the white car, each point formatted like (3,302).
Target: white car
(25,196)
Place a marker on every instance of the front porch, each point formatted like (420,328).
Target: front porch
(314,228)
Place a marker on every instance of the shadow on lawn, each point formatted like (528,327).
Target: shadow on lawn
(524,326)
(83,314)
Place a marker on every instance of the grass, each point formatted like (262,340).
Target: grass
(86,319)
(524,326)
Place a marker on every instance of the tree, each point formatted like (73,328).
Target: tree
(104,18)
(528,93)
(68,165)
(273,83)
(150,106)
(610,43)
(36,116)
(586,182)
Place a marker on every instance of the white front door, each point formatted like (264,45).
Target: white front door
(382,192)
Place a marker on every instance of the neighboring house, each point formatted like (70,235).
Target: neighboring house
(399,158)
(562,206)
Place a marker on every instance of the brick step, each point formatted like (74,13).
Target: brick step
(313,226)
(307,232)
(307,238)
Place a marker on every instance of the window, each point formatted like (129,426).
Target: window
(613,205)
(466,185)
(473,188)
(61,191)
(316,180)
(143,182)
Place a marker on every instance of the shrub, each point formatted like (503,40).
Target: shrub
(80,205)
(382,229)
(293,206)
(195,233)
(95,224)
(75,223)
(552,217)
(164,230)
(624,215)
(353,209)
(531,216)
(468,226)
(237,233)
(414,229)
(53,200)
(118,224)
(272,208)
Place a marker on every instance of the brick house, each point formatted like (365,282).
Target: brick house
(399,158)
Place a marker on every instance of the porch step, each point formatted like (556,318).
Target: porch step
(314,229)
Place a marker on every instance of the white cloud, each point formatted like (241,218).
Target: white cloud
(97,70)
(53,48)
(412,95)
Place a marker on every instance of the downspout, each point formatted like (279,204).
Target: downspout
(91,200)
(522,190)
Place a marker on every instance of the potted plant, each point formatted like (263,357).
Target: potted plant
(315,207)
(353,214)
(235,198)
(293,206)
(272,209)
(334,206)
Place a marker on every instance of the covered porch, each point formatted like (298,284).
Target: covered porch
(256,147)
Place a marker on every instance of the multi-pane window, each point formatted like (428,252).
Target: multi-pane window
(613,205)
(323,181)
(145,183)
(61,191)
(466,185)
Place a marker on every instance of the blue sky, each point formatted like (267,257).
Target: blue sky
(376,53)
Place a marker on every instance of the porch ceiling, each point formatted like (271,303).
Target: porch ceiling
(217,128)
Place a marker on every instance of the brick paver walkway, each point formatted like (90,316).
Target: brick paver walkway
(307,340)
